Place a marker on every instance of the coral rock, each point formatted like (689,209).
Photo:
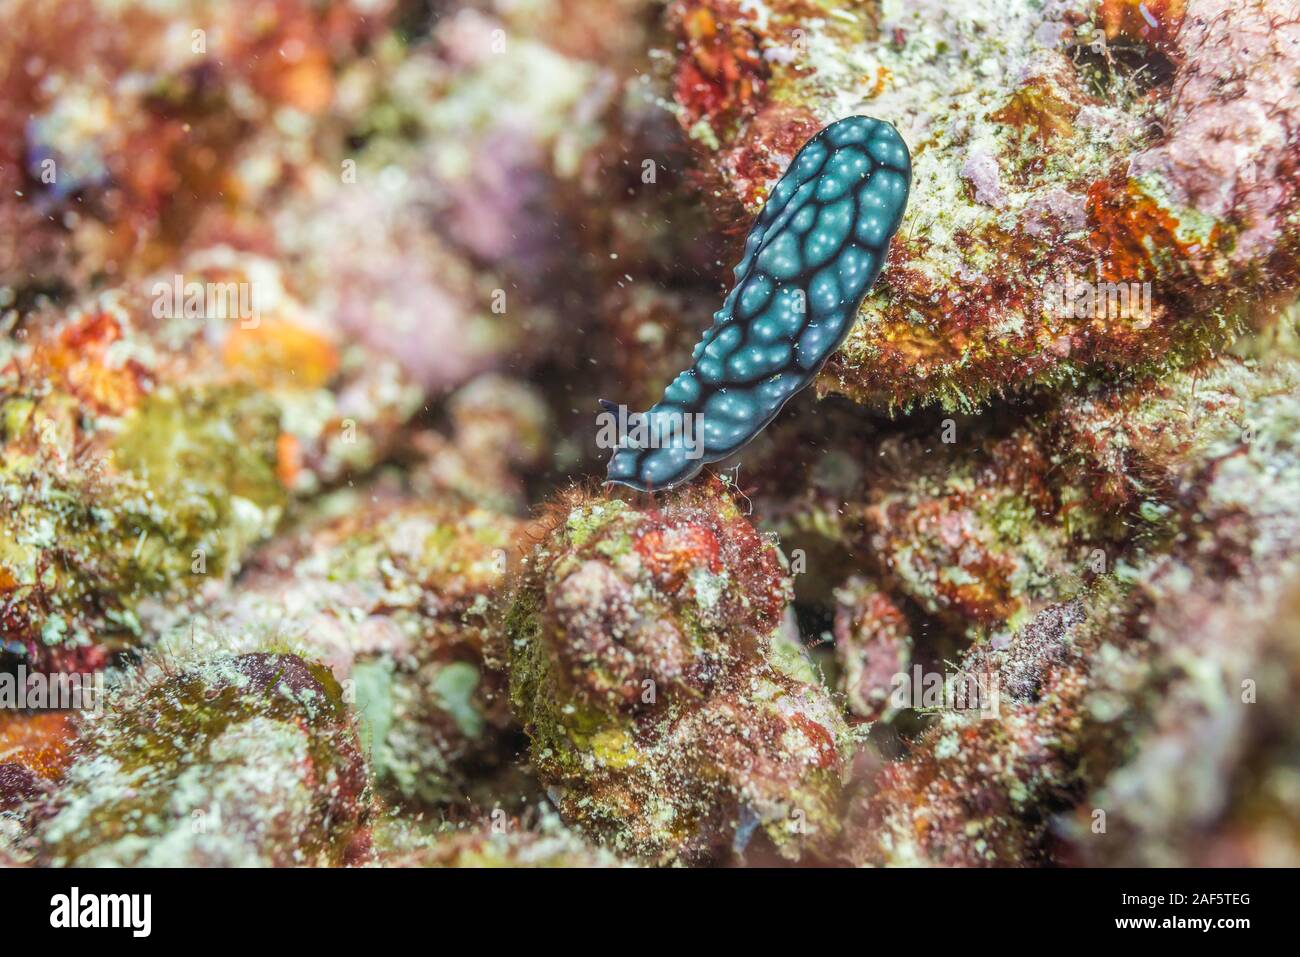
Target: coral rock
(392,595)
(1151,656)
(1050,144)
(147,449)
(671,716)
(248,760)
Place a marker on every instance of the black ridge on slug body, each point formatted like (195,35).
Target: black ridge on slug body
(816,248)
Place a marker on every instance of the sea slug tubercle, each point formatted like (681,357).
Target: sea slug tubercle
(814,251)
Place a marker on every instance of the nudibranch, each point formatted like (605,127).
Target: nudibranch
(814,251)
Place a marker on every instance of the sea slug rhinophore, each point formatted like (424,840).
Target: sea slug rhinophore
(809,260)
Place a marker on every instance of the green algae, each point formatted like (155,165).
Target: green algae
(153,766)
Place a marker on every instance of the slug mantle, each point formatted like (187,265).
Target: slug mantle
(814,251)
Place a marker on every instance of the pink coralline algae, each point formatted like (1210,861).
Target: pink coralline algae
(872,646)
(1230,148)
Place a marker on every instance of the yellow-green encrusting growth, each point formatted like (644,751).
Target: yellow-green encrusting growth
(143,457)
(197,486)
(671,718)
(250,760)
